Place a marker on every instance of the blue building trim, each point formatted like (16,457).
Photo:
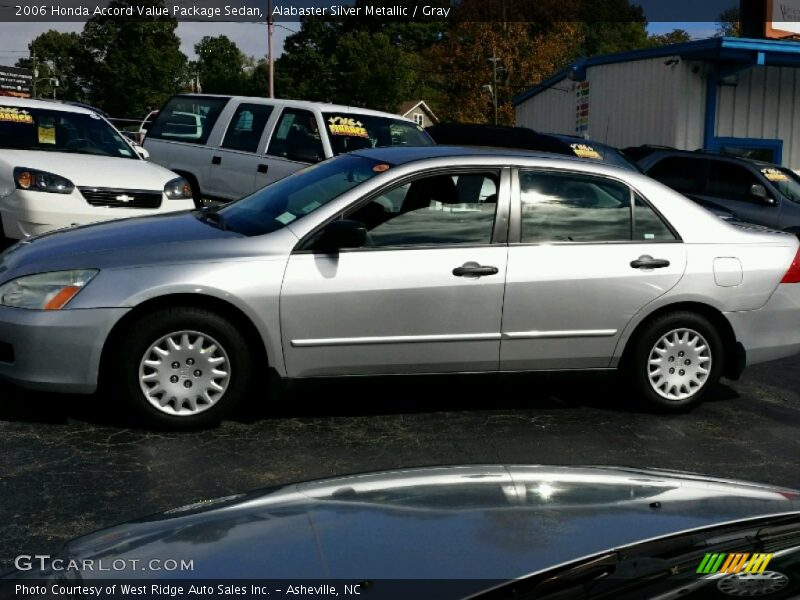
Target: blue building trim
(721,51)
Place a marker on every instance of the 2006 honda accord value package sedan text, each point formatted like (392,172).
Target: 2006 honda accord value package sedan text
(402,261)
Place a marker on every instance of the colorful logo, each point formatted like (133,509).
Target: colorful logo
(742,562)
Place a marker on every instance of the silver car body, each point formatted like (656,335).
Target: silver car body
(401,311)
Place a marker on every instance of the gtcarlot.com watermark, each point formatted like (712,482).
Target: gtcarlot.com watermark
(44,562)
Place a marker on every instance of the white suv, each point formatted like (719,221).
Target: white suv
(63,165)
(230,146)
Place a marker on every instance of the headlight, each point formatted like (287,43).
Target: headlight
(45,291)
(178,189)
(40,181)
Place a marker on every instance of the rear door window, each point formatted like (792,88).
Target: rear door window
(681,173)
(188,119)
(246,126)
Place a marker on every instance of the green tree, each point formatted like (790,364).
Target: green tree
(729,23)
(131,64)
(676,36)
(56,56)
(220,66)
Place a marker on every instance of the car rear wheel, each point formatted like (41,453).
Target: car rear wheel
(181,368)
(676,360)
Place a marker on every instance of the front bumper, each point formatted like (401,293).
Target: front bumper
(55,350)
(26,213)
(773,331)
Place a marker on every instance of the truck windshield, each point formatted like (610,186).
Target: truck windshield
(25,128)
(296,196)
(786,180)
(349,132)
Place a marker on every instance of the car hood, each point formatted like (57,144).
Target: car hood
(487,522)
(142,240)
(86,169)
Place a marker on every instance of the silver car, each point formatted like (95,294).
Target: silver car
(402,261)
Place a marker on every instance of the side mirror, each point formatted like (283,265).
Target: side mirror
(341,234)
(306,155)
(141,151)
(760,192)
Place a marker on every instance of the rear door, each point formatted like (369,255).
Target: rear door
(234,164)
(587,254)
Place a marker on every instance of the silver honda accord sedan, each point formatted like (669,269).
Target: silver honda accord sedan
(401,261)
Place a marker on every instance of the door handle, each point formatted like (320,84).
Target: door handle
(648,262)
(473,269)
(216,160)
(262,168)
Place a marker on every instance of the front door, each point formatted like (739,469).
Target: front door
(294,144)
(586,256)
(424,295)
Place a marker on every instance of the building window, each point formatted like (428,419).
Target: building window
(419,119)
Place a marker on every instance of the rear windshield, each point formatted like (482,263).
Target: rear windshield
(187,119)
(349,132)
(25,128)
(298,195)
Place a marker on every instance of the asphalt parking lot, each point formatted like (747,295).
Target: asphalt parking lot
(69,464)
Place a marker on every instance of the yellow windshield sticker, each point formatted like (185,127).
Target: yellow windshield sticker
(775,175)
(11,114)
(584,151)
(46,130)
(347,126)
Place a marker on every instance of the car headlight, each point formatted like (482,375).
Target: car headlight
(45,291)
(178,189)
(34,180)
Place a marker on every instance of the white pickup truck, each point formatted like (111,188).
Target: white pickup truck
(229,146)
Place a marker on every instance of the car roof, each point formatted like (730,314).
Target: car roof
(45,104)
(398,155)
(306,104)
(704,154)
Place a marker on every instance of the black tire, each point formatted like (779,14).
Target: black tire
(637,368)
(132,344)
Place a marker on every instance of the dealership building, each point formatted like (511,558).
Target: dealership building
(725,94)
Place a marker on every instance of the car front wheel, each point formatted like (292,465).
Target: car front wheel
(676,360)
(181,368)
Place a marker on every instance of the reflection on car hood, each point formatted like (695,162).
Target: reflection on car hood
(113,242)
(488,522)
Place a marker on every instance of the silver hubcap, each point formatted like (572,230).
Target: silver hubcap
(745,584)
(679,364)
(184,373)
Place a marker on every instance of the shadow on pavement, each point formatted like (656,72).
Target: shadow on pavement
(368,396)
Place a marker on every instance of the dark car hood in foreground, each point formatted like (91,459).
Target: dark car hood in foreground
(474,522)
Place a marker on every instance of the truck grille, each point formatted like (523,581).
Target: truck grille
(121,198)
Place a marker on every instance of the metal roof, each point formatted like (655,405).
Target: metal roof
(722,50)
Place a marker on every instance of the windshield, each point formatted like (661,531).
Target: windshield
(25,128)
(787,182)
(348,132)
(298,195)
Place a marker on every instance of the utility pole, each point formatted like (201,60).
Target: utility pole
(494,60)
(35,72)
(270,57)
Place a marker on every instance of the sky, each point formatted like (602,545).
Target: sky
(250,37)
